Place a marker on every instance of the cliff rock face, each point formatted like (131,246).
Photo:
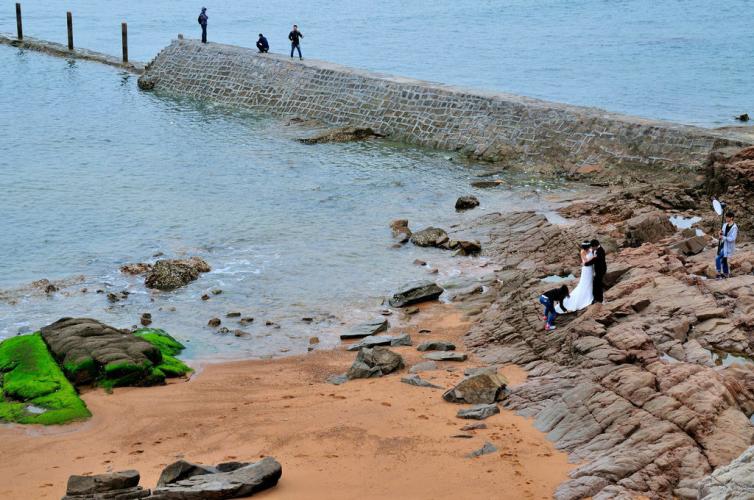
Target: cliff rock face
(636,388)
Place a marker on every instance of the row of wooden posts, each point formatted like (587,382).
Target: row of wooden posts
(69,20)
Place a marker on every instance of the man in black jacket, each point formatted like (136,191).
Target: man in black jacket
(262,44)
(203,17)
(600,269)
(294,36)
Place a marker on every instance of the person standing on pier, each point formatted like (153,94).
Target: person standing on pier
(262,44)
(203,23)
(294,36)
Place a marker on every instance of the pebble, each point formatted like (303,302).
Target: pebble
(214,322)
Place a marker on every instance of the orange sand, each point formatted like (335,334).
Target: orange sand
(365,439)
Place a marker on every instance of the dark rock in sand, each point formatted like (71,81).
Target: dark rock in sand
(375,362)
(416,380)
(466,202)
(474,427)
(116,485)
(401,340)
(416,293)
(436,345)
(339,379)
(89,350)
(342,134)
(484,450)
(481,388)
(429,237)
(479,411)
(214,322)
(446,356)
(234,314)
(174,273)
(366,329)
(205,297)
(237,483)
(424,366)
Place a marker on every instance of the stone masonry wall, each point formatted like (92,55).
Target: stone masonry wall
(490,125)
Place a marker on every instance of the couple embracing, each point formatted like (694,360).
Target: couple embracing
(589,290)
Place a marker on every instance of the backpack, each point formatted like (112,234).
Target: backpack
(199,20)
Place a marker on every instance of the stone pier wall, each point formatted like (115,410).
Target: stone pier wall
(489,125)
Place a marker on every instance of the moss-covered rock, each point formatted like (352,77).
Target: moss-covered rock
(33,388)
(169,347)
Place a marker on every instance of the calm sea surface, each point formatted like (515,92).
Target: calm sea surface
(95,174)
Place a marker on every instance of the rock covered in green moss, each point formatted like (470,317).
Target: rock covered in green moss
(169,348)
(33,389)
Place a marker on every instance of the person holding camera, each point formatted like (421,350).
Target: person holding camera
(727,246)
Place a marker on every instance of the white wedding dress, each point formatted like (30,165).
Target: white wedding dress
(581,296)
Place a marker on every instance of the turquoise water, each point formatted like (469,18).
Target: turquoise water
(96,174)
(681,60)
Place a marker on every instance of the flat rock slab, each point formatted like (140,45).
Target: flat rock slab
(240,482)
(88,348)
(383,340)
(416,380)
(484,450)
(735,480)
(424,366)
(337,379)
(478,412)
(437,345)
(366,329)
(416,293)
(102,483)
(446,356)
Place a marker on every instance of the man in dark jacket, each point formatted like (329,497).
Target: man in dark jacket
(203,23)
(294,36)
(262,44)
(600,269)
(549,299)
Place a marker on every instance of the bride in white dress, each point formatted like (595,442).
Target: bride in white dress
(581,296)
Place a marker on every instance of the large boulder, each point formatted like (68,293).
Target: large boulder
(115,485)
(691,246)
(90,351)
(429,237)
(170,274)
(243,481)
(375,362)
(485,387)
(415,293)
(647,228)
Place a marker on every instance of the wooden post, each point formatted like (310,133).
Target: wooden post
(124,37)
(19,25)
(70,30)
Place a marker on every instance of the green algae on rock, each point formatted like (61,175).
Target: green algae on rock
(169,348)
(33,389)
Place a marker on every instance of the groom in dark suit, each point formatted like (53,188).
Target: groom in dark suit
(600,269)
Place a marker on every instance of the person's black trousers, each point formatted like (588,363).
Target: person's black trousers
(261,48)
(598,288)
(204,34)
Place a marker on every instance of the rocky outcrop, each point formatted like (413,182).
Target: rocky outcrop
(647,228)
(374,362)
(629,388)
(342,134)
(90,351)
(729,176)
(170,274)
(415,293)
(116,485)
(467,202)
(735,480)
(483,388)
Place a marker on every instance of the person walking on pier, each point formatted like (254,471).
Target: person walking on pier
(203,23)
(262,44)
(294,36)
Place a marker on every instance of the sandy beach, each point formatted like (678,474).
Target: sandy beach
(367,438)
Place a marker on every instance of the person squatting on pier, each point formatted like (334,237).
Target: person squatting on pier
(203,23)
(294,36)
(727,246)
(262,44)
(549,299)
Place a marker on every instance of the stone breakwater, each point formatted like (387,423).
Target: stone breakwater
(486,125)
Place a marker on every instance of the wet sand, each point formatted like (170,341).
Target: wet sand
(372,438)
